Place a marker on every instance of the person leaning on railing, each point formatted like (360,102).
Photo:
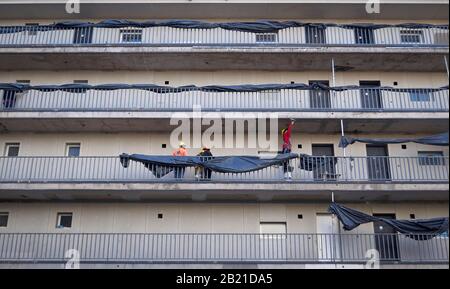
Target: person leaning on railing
(180,152)
(204,173)
(287,148)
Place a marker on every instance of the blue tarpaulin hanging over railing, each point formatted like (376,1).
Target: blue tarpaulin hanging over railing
(252,27)
(81,88)
(437,140)
(426,228)
(227,164)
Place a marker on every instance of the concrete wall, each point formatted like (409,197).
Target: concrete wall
(179,78)
(112,144)
(193,217)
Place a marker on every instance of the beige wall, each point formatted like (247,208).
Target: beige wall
(193,218)
(179,78)
(113,144)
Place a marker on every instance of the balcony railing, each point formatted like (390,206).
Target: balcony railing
(318,170)
(179,99)
(236,248)
(307,36)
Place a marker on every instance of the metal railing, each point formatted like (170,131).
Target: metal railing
(364,100)
(313,169)
(214,247)
(30,36)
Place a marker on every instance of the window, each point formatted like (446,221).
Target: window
(33,28)
(64,220)
(444,235)
(12,149)
(417,96)
(73,149)
(131,35)
(431,158)
(411,36)
(4,219)
(273,230)
(266,38)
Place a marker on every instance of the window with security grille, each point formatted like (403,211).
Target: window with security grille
(266,38)
(64,220)
(411,36)
(73,149)
(131,35)
(417,96)
(12,149)
(431,158)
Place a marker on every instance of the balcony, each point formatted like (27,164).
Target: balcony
(170,35)
(350,178)
(380,110)
(318,170)
(309,47)
(166,99)
(195,248)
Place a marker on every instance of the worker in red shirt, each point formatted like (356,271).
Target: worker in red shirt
(287,148)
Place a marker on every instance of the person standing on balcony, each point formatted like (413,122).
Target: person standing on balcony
(180,152)
(206,155)
(287,148)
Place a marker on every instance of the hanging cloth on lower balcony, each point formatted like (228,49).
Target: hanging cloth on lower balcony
(162,165)
(418,229)
(437,140)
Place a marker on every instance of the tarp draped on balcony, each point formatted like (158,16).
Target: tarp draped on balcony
(162,165)
(251,27)
(81,88)
(424,229)
(437,140)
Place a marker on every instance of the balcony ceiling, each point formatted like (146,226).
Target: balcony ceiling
(307,122)
(223,58)
(225,9)
(194,192)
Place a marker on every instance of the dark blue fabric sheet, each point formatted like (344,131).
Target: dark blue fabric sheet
(252,27)
(426,228)
(81,88)
(437,140)
(231,164)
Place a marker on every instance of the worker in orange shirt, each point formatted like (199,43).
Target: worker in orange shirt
(180,152)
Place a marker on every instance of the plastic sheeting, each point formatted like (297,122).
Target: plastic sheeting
(161,165)
(252,27)
(314,163)
(81,88)
(437,140)
(425,229)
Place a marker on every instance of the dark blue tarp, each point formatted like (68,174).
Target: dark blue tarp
(230,164)
(81,88)
(252,27)
(315,163)
(437,140)
(426,228)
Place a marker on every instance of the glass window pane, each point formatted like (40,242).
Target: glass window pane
(4,219)
(64,220)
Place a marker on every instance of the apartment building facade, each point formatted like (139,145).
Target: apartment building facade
(77,95)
